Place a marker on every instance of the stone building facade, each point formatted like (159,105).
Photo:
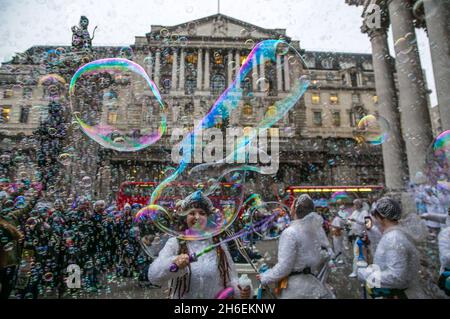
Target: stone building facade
(192,63)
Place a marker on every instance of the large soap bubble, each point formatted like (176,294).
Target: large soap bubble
(110,85)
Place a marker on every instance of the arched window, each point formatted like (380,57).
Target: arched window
(217,84)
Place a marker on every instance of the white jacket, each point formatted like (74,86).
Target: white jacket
(300,247)
(398,262)
(206,281)
(444,246)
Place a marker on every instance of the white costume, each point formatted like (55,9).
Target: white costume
(444,245)
(398,262)
(358,228)
(433,206)
(300,247)
(338,241)
(444,248)
(374,235)
(205,281)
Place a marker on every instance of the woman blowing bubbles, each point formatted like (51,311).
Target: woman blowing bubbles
(211,273)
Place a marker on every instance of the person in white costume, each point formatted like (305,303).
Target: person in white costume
(444,246)
(204,278)
(357,223)
(394,273)
(303,251)
(337,235)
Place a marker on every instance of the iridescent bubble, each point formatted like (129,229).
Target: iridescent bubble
(126,53)
(148,61)
(86,182)
(183,41)
(106,74)
(164,33)
(373,130)
(250,43)
(282,48)
(263,85)
(273,228)
(48,276)
(441,147)
(228,103)
(8,247)
(52,131)
(65,159)
(52,57)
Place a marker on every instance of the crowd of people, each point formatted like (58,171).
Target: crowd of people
(38,241)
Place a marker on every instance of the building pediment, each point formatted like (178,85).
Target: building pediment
(218,26)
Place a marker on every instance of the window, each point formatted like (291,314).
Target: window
(354,79)
(356,114)
(334,99)
(310,62)
(317,118)
(337,118)
(367,66)
(190,85)
(247,110)
(112,118)
(27,92)
(218,58)
(5,111)
(274,132)
(8,93)
(217,84)
(24,112)
(189,108)
(327,63)
(191,58)
(272,111)
(356,98)
(315,98)
(375,98)
(330,76)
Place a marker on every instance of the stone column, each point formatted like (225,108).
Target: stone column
(262,71)
(157,66)
(181,82)
(174,68)
(393,147)
(199,69)
(416,123)
(287,79)
(279,75)
(237,59)
(206,84)
(437,15)
(230,68)
(255,75)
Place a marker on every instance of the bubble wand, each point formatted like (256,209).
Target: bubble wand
(194,256)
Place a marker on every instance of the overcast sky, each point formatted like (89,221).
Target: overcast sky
(324,25)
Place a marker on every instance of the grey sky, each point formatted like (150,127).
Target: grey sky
(325,25)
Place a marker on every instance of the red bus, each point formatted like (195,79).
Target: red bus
(327,192)
(140,192)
